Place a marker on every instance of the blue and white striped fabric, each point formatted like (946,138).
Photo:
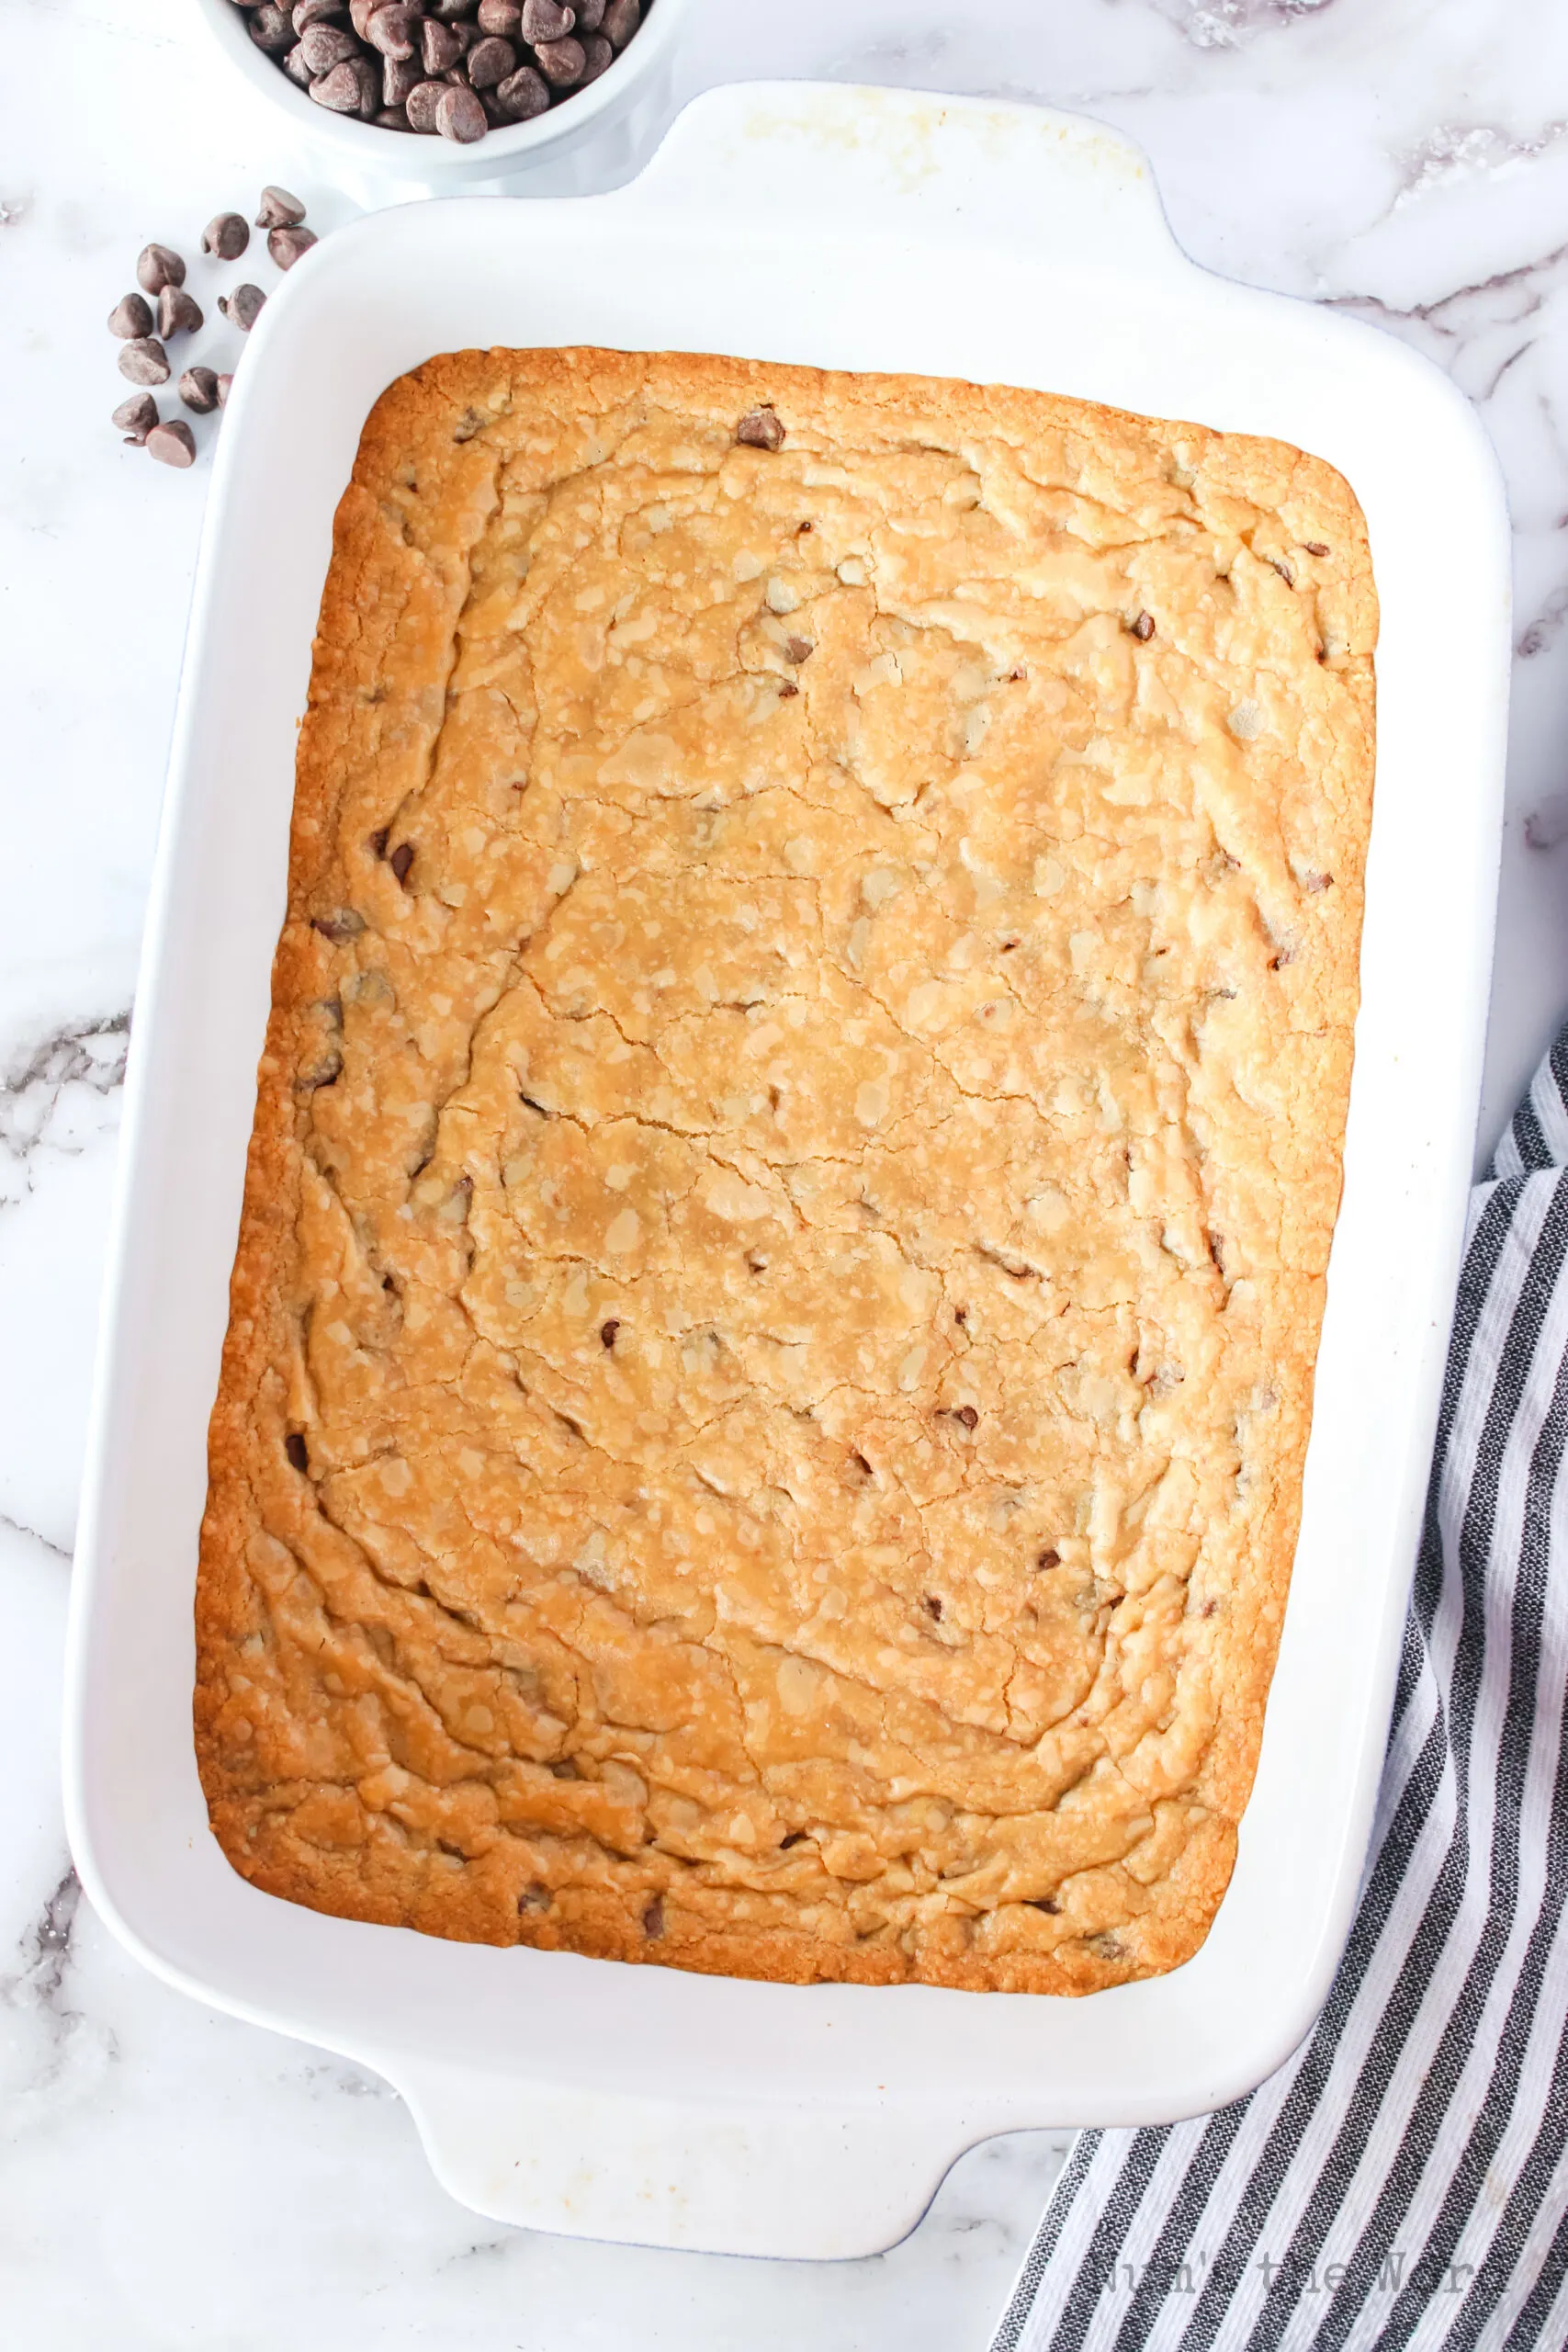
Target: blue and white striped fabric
(1403,2182)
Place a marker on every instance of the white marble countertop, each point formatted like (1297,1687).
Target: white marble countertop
(168,2177)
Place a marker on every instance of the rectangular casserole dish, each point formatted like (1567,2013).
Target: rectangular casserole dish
(849,229)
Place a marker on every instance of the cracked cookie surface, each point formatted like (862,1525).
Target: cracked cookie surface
(772,1340)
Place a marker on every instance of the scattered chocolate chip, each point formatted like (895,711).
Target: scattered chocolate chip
(136,417)
(131,318)
(620,20)
(653,1917)
(787,687)
(502,18)
(1106,1946)
(178,313)
(534,1898)
(271,29)
(759,428)
(294,1446)
(490,62)
(341,927)
(607,1332)
(1208,1608)
(460,117)
(1143,628)
(961,1315)
(285,245)
(563,1768)
(932,1605)
(378,840)
(522,94)
(1044,1903)
(562,63)
(157,267)
(278,210)
(225,385)
(242,307)
(172,445)
(1049,1558)
(795,1838)
(227,234)
(325,46)
(421,106)
(199,390)
(798,650)
(402,860)
(144,360)
(968,1414)
(1315,547)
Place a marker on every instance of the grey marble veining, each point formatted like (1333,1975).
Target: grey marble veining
(169,2177)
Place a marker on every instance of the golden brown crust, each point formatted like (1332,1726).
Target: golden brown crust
(771,1355)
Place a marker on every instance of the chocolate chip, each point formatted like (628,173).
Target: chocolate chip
(589,15)
(502,17)
(607,1332)
(522,94)
(968,1414)
(378,840)
(597,55)
(1315,547)
(759,428)
(294,1446)
(460,117)
(178,313)
(271,29)
(307,13)
(1106,1946)
(534,1898)
(620,20)
(795,1838)
(157,267)
(296,68)
(130,317)
(285,245)
(1143,628)
(653,1917)
(490,62)
(278,210)
(391,119)
(144,360)
(341,927)
(172,445)
(961,1315)
(136,417)
(199,390)
(562,63)
(244,307)
(227,233)
(543,20)
(1044,1903)
(399,77)
(798,650)
(402,860)
(422,102)
(1049,1558)
(393,31)
(353,87)
(439,46)
(325,46)
(933,1604)
(360,13)
(787,689)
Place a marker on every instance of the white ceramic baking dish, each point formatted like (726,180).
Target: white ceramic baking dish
(869,230)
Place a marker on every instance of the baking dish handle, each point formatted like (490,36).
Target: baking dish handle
(919,165)
(797,2182)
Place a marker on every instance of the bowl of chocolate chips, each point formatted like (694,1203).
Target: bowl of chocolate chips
(449,92)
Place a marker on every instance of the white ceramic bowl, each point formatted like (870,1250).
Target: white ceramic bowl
(614,116)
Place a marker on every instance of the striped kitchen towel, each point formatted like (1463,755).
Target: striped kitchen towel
(1403,2180)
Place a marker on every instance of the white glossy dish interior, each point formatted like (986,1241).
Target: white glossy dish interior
(959,239)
